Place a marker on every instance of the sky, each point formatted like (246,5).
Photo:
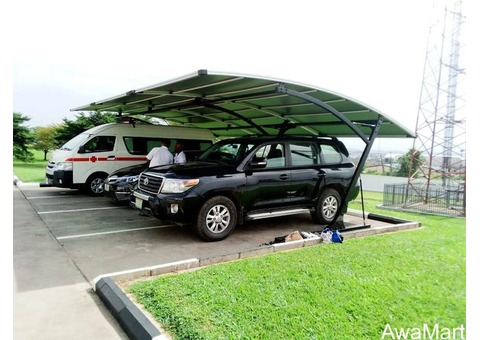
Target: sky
(67,54)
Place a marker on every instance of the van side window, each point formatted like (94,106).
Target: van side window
(330,154)
(192,147)
(195,144)
(143,145)
(100,144)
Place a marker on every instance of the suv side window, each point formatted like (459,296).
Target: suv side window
(303,154)
(330,154)
(273,154)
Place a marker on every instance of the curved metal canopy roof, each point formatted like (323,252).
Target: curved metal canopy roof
(232,105)
(237,105)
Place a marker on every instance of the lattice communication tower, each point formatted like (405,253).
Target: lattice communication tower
(441,119)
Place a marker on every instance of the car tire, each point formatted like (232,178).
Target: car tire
(216,219)
(326,207)
(94,184)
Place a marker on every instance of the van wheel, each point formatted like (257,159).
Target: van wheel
(327,206)
(217,219)
(94,184)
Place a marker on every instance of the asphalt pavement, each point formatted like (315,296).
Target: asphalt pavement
(51,298)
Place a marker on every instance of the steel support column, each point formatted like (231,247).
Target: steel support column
(338,220)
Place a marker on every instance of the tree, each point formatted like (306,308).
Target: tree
(70,128)
(22,138)
(412,158)
(45,139)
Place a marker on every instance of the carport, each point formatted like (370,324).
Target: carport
(232,105)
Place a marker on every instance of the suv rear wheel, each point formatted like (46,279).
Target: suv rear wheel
(217,219)
(327,206)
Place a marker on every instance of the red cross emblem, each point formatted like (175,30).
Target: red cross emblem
(93,159)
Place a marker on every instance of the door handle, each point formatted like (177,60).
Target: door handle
(284,177)
(110,158)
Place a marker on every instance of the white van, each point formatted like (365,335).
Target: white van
(87,159)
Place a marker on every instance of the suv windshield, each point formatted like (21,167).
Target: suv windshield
(228,152)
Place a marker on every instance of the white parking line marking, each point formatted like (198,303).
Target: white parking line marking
(115,232)
(76,210)
(44,197)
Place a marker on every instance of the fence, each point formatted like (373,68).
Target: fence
(436,200)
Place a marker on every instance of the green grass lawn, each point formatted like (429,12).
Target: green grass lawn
(333,291)
(31,172)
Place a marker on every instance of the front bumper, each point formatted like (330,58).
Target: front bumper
(118,192)
(178,208)
(62,179)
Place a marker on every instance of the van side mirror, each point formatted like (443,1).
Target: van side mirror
(81,149)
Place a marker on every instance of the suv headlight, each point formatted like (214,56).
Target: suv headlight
(172,186)
(65,166)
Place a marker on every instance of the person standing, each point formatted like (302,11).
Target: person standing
(160,155)
(179,157)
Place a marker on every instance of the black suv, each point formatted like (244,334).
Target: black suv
(119,185)
(249,178)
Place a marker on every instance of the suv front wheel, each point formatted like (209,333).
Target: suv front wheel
(327,206)
(217,219)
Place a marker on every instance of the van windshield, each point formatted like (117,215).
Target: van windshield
(75,141)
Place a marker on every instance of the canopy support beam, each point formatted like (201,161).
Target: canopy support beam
(283,89)
(233,113)
(338,222)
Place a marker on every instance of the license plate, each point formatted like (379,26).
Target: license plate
(138,203)
(106,187)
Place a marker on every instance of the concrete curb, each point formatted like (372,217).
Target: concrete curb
(135,324)
(138,326)
(17,182)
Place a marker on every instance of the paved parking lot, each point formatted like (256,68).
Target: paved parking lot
(63,240)
(103,237)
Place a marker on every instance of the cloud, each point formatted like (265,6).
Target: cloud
(67,55)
